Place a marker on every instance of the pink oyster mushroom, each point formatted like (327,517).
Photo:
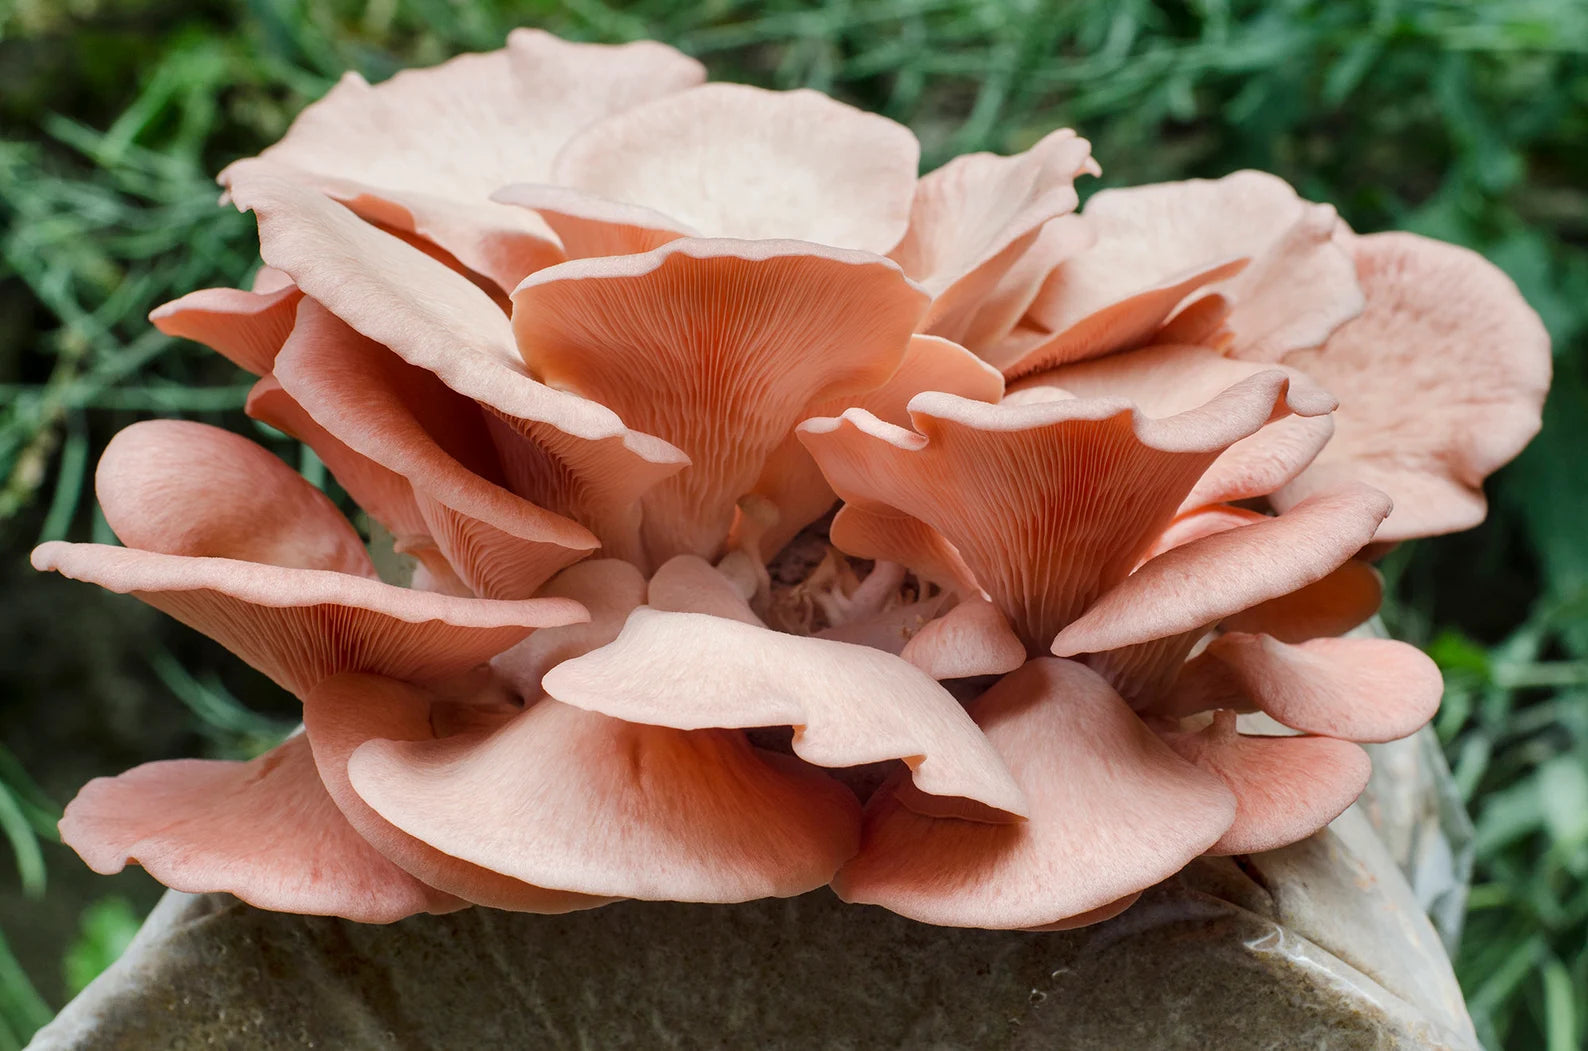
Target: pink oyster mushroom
(600,347)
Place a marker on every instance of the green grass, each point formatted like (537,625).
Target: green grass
(1467,121)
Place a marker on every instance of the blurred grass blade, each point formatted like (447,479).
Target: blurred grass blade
(22,1009)
(24,843)
(71,475)
(1560,1008)
(238,732)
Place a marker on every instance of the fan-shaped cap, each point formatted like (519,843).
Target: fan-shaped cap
(655,813)
(720,347)
(343,712)
(974,217)
(1164,380)
(849,704)
(1112,811)
(1048,503)
(423,151)
(1286,788)
(1354,689)
(1247,236)
(1200,583)
(1106,321)
(973,638)
(185,488)
(563,452)
(246,328)
(404,419)
(1441,381)
(299,626)
(731,160)
(265,831)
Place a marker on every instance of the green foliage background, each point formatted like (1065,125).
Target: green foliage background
(1463,120)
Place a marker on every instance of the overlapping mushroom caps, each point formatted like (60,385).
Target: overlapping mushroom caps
(600,347)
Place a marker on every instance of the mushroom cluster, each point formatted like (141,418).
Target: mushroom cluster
(774,517)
